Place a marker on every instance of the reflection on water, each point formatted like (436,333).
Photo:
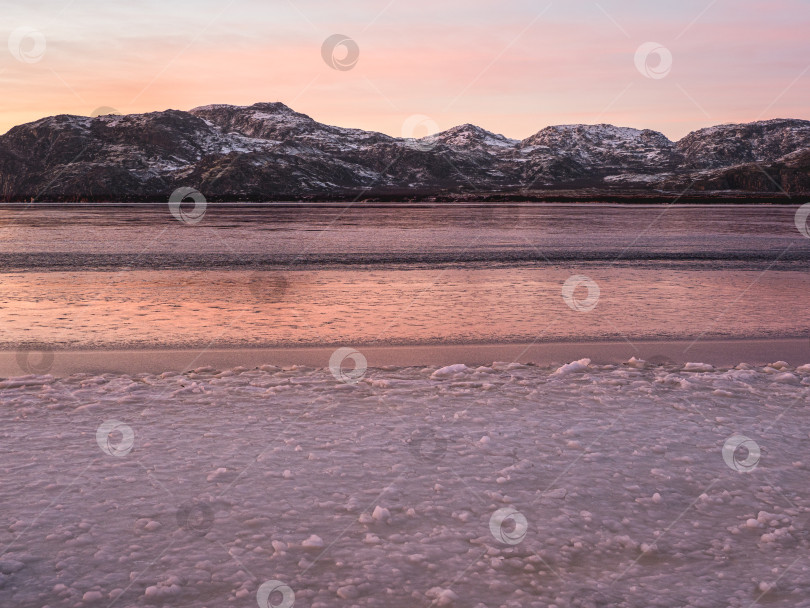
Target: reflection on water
(121,277)
(150,237)
(252,308)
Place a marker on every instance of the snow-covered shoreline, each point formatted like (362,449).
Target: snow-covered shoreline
(496,485)
(41,358)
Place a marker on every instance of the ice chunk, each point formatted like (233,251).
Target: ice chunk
(573,367)
(218,474)
(698,367)
(313,542)
(381,514)
(786,378)
(441,597)
(349,592)
(449,370)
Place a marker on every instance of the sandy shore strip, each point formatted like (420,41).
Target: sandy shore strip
(795,351)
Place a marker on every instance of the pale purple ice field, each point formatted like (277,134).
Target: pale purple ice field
(629,485)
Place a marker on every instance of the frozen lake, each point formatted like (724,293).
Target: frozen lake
(576,485)
(123,277)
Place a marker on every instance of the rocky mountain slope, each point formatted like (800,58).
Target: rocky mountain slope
(267,151)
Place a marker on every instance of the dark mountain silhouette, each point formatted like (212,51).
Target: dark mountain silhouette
(267,151)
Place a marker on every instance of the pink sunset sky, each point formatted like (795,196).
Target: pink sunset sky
(511,67)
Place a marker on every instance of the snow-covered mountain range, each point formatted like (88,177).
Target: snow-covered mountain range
(267,151)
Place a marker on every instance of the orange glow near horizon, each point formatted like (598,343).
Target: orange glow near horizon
(510,70)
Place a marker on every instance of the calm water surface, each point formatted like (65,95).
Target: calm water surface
(247,276)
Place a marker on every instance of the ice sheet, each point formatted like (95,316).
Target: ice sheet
(499,485)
